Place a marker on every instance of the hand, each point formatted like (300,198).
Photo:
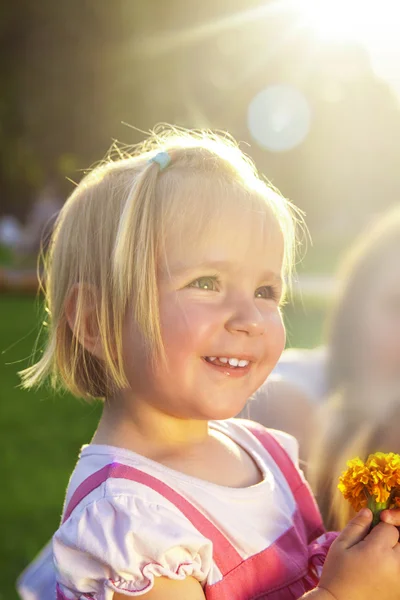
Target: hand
(391,516)
(362,565)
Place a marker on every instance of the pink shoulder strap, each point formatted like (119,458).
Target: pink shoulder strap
(225,555)
(277,452)
(303,495)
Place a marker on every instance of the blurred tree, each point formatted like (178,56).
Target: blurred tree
(73,70)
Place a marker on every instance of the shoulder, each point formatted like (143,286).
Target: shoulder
(244,430)
(288,443)
(107,475)
(120,532)
(124,541)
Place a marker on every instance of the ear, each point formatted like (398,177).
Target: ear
(81,309)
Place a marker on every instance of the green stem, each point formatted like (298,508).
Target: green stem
(376,508)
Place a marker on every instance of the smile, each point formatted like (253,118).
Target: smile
(223,361)
(233,367)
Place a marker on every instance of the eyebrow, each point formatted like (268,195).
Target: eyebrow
(180,270)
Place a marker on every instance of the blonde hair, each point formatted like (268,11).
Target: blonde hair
(108,237)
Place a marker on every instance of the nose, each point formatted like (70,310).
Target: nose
(246,318)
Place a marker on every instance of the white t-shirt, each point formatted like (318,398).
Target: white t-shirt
(123,533)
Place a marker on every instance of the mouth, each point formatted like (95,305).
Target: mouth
(232,366)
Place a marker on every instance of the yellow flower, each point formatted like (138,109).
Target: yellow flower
(375,483)
(384,469)
(353,482)
(379,492)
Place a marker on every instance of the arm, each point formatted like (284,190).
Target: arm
(170,589)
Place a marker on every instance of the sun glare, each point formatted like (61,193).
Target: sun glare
(365,21)
(372,24)
(333,19)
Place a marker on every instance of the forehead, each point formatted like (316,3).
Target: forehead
(237,230)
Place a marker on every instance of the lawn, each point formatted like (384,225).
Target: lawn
(41,433)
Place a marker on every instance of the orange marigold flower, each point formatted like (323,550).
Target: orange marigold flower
(380,492)
(384,468)
(375,483)
(353,482)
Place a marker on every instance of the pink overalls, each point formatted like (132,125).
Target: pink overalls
(284,571)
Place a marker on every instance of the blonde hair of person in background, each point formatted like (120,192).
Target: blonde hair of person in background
(362,412)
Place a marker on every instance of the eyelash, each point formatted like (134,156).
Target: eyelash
(214,278)
(273,291)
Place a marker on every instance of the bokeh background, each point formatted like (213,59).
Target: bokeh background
(310,89)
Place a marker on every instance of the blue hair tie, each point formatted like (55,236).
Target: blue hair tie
(163,159)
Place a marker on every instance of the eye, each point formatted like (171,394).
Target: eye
(205,283)
(267,292)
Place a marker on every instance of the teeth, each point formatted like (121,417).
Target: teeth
(233,362)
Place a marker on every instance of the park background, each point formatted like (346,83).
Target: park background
(312,96)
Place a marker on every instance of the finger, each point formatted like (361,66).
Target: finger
(396,549)
(356,529)
(391,516)
(383,535)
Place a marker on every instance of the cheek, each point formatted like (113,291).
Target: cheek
(135,354)
(185,326)
(276,333)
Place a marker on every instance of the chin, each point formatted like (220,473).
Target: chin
(220,413)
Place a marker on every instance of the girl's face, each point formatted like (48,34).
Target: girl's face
(219,301)
(380,323)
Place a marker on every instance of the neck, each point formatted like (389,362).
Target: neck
(143,428)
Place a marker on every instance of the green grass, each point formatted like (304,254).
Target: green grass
(40,436)
(5,256)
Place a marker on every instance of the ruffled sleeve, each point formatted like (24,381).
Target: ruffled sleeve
(121,544)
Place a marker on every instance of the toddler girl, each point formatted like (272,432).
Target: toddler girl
(165,277)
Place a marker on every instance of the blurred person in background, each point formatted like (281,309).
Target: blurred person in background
(357,374)
(20,246)
(40,221)
(335,391)
(10,232)
(362,412)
